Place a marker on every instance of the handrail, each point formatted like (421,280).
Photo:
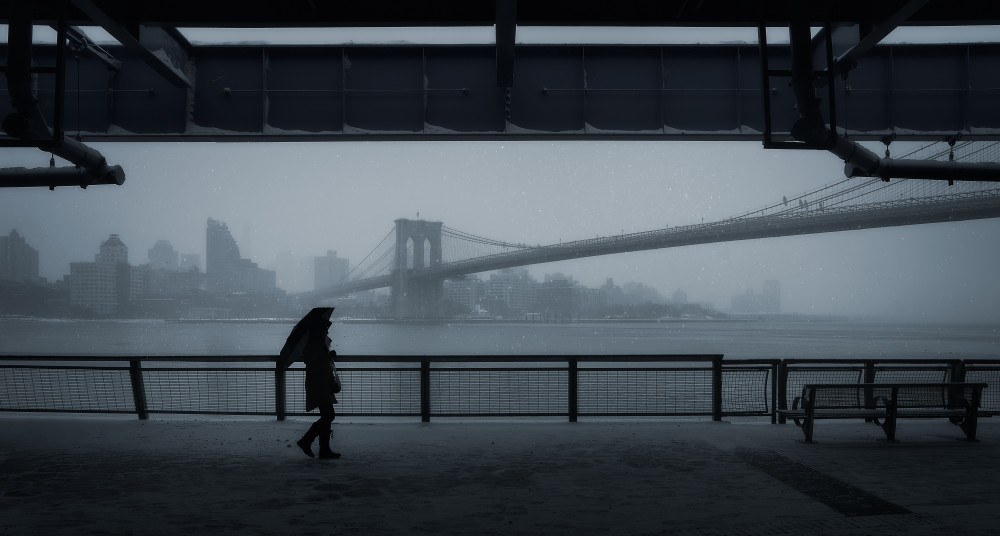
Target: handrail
(572,367)
(761,386)
(466,358)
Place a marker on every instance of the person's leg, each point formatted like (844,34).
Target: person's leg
(325,431)
(318,428)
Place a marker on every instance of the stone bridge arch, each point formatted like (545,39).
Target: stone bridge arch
(417,297)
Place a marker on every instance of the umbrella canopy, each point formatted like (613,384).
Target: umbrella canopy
(317,318)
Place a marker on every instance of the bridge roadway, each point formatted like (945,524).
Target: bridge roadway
(969,206)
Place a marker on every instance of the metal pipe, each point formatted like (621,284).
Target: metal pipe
(936,169)
(28,123)
(20,177)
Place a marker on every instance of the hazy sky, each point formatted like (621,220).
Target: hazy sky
(301,199)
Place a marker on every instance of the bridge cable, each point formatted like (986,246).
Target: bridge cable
(356,266)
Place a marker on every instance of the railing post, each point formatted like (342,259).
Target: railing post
(958,371)
(869,377)
(138,388)
(782,379)
(717,388)
(573,390)
(774,392)
(425,391)
(957,376)
(279,391)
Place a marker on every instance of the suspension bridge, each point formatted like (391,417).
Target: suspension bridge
(416,256)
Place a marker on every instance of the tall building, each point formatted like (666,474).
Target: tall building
(105,286)
(557,297)
(466,293)
(226,271)
(221,257)
(330,270)
(18,260)
(162,256)
(112,251)
(515,287)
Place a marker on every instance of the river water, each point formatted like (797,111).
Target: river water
(734,339)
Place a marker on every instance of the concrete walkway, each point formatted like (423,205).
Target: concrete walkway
(118,475)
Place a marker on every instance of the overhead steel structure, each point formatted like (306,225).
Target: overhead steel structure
(819,90)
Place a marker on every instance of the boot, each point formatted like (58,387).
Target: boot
(306,442)
(324,446)
(306,445)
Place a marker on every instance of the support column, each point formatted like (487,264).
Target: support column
(414,295)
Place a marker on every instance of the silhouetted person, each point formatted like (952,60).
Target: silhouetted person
(322,385)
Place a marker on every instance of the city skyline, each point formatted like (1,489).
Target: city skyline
(302,199)
(162,256)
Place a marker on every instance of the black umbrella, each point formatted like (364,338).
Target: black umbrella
(317,318)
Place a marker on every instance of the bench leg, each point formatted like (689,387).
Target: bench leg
(889,427)
(807,428)
(969,426)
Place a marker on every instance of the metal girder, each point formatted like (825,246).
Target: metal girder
(848,59)
(380,13)
(506,31)
(157,47)
(920,92)
(80,41)
(812,130)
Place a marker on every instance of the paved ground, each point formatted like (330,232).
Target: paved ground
(110,475)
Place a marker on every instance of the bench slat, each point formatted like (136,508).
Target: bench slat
(844,413)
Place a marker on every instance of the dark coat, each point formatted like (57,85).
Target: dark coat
(319,374)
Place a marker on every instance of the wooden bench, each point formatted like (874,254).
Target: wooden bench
(884,403)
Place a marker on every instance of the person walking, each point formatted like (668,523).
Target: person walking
(322,385)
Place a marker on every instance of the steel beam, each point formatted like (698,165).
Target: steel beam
(849,59)
(812,132)
(381,13)
(164,59)
(506,31)
(567,92)
(82,42)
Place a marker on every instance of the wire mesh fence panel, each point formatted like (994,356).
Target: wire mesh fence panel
(991,377)
(394,388)
(658,391)
(746,391)
(365,391)
(800,376)
(498,392)
(204,390)
(98,390)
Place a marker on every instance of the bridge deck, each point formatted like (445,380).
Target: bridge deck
(958,207)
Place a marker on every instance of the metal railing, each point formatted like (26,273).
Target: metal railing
(424,386)
(456,386)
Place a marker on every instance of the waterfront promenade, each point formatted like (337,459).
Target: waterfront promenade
(65,474)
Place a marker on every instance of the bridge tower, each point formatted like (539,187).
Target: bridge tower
(418,245)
